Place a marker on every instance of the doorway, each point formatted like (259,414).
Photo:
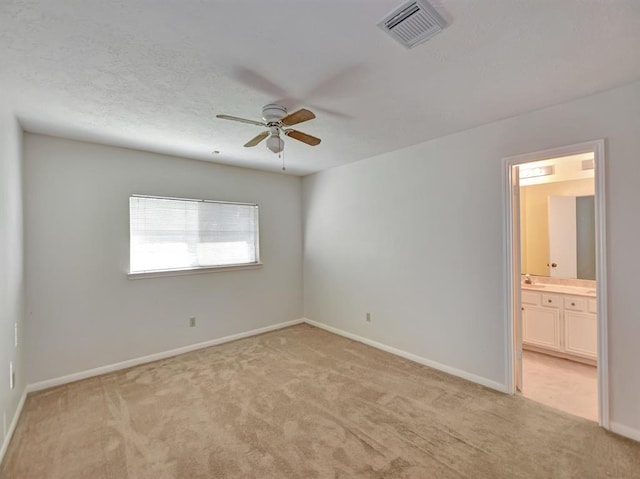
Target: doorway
(556,326)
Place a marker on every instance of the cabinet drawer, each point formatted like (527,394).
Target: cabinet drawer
(575,303)
(592,306)
(529,297)
(551,300)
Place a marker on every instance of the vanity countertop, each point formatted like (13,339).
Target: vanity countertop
(561,288)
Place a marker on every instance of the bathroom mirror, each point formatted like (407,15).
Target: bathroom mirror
(557,229)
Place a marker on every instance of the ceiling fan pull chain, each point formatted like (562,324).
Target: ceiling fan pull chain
(282,156)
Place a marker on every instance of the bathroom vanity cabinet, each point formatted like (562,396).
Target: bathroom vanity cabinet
(564,325)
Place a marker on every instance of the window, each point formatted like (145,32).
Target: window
(174,234)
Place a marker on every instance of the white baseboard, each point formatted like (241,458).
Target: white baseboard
(625,431)
(12,426)
(412,357)
(69,378)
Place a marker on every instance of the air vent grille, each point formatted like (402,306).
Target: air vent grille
(413,23)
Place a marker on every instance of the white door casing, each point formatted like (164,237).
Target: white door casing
(512,264)
(516,254)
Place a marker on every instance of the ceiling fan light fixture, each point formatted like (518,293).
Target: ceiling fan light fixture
(275,120)
(275,143)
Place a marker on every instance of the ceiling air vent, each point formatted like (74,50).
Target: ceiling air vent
(413,23)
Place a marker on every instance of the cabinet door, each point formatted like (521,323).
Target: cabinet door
(581,334)
(541,327)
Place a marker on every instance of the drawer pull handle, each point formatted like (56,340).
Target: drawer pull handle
(549,301)
(573,304)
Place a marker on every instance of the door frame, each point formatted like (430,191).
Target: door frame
(513,292)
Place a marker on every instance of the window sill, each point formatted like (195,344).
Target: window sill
(183,272)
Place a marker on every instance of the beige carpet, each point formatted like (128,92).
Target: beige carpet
(301,403)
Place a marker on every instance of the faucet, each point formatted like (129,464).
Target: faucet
(527,279)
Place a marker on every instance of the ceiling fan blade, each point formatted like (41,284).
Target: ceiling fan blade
(242,120)
(303,137)
(258,82)
(256,139)
(336,113)
(298,117)
(340,83)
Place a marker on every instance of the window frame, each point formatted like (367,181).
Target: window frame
(196,269)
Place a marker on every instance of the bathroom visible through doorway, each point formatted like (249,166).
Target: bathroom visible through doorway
(556,325)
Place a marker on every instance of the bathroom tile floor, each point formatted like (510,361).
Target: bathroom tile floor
(562,384)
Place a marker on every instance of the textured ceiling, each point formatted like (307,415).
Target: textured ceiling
(152,74)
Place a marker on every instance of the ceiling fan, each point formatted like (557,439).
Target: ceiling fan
(276,119)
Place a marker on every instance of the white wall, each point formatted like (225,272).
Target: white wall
(416,238)
(11,266)
(83,312)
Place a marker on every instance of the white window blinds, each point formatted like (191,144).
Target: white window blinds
(178,234)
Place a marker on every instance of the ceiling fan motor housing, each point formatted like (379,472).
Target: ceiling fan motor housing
(273,113)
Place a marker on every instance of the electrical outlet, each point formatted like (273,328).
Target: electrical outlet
(368,317)
(192,322)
